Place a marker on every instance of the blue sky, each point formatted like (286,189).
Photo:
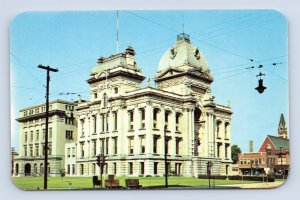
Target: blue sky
(73,41)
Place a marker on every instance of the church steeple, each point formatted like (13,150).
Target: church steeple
(282,129)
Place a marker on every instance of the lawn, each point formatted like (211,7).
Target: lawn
(57,183)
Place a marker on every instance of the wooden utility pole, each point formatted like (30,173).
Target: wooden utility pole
(47,120)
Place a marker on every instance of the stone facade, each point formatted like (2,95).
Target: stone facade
(62,128)
(128,123)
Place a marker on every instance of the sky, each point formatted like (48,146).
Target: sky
(234,42)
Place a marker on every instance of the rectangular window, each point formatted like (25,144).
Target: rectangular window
(155,167)
(44,133)
(102,146)
(31,151)
(73,152)
(130,113)
(155,139)
(115,121)
(25,136)
(37,153)
(25,151)
(50,150)
(69,170)
(43,149)
(142,144)
(69,135)
(106,147)
(130,145)
(167,120)
(167,145)
(102,123)
(155,113)
(31,135)
(50,133)
(73,169)
(37,135)
(81,169)
(178,115)
(130,168)
(115,168)
(142,118)
(107,123)
(69,152)
(142,168)
(95,124)
(82,128)
(115,145)
(94,147)
(177,146)
(82,149)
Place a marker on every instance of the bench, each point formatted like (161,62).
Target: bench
(112,184)
(133,183)
(96,181)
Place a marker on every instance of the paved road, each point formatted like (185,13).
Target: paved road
(257,185)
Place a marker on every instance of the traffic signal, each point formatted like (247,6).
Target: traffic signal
(98,160)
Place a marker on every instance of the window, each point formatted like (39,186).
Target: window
(130,113)
(142,118)
(155,139)
(104,100)
(155,113)
(115,120)
(226,130)
(69,135)
(82,128)
(73,169)
(37,135)
(167,113)
(95,124)
(167,145)
(218,128)
(116,90)
(82,149)
(130,145)
(115,168)
(155,167)
(178,115)
(37,153)
(25,136)
(94,147)
(31,151)
(115,145)
(142,168)
(81,169)
(44,132)
(102,146)
(43,149)
(31,135)
(106,147)
(218,149)
(142,144)
(69,152)
(226,150)
(25,151)
(50,150)
(177,145)
(50,133)
(95,95)
(107,123)
(130,168)
(102,123)
(69,170)
(73,152)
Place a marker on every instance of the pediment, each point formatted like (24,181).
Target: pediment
(170,72)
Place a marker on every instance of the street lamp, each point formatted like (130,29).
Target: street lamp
(209,165)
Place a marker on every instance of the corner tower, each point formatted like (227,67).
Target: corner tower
(183,69)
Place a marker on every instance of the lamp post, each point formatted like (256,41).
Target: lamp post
(209,165)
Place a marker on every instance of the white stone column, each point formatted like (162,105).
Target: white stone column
(149,132)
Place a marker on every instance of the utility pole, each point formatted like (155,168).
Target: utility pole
(47,120)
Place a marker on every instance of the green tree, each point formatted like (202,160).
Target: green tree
(235,150)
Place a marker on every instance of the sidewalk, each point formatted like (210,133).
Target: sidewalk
(263,185)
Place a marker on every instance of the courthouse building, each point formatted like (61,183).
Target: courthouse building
(127,122)
(62,128)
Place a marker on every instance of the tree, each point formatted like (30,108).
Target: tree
(235,150)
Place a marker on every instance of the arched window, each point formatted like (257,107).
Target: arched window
(17,169)
(41,168)
(197,114)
